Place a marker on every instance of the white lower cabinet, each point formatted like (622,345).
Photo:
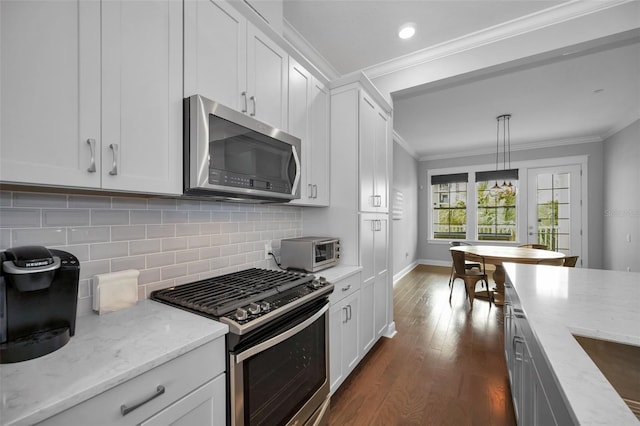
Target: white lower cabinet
(343,329)
(188,390)
(537,399)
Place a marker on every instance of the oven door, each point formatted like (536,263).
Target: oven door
(281,375)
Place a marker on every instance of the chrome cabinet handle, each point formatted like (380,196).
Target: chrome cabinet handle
(114,167)
(126,410)
(310,190)
(315,191)
(92,161)
(346,315)
(377,200)
(253,99)
(346,288)
(349,306)
(244,96)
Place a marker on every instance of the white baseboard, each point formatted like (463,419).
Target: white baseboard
(391,330)
(433,262)
(397,277)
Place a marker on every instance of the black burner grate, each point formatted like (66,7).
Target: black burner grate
(223,294)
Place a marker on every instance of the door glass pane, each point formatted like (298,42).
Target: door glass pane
(553,198)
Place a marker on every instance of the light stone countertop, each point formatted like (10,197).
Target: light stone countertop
(105,351)
(559,302)
(338,272)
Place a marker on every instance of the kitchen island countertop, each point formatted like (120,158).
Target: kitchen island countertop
(560,302)
(106,351)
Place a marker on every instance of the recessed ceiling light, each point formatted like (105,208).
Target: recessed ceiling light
(407,31)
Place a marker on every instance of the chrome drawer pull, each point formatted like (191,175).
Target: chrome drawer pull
(114,168)
(92,162)
(126,410)
(346,288)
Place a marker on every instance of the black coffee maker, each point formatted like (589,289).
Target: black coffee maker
(38,300)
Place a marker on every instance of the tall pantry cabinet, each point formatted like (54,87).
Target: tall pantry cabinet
(358,213)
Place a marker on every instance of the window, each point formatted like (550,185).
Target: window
(449,195)
(497,205)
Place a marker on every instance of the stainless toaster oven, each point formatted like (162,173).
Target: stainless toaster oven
(309,254)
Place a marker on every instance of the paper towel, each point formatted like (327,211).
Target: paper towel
(115,290)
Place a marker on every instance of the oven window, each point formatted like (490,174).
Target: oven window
(281,379)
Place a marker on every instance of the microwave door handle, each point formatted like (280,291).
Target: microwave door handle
(280,337)
(296,178)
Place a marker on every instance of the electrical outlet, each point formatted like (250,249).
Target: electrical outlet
(267,250)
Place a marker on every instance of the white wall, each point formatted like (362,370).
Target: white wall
(405,230)
(439,252)
(621,212)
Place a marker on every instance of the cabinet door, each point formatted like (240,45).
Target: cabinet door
(204,406)
(320,166)
(366,148)
(366,318)
(337,318)
(50,85)
(381,298)
(350,352)
(215,58)
(381,153)
(267,65)
(142,95)
(300,82)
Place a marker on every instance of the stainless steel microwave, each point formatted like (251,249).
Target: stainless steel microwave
(309,254)
(232,156)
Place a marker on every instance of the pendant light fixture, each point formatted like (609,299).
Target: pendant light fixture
(503,123)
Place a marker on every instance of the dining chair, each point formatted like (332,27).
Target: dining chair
(535,246)
(552,262)
(469,264)
(469,276)
(570,261)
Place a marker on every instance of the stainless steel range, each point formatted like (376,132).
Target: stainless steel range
(278,352)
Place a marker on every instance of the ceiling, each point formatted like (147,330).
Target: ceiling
(582,97)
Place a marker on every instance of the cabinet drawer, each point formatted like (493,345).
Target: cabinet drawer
(344,288)
(178,377)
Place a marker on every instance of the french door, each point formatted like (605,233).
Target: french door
(554,208)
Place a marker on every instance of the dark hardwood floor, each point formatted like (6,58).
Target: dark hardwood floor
(445,366)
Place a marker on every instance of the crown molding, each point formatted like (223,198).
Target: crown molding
(529,23)
(298,42)
(620,126)
(405,145)
(551,143)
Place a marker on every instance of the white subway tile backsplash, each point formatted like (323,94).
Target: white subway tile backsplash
(199,241)
(109,217)
(131,262)
(39,236)
(140,217)
(88,234)
(173,244)
(108,250)
(161,231)
(187,229)
(89,202)
(178,216)
(185,256)
(145,247)
(173,271)
(20,218)
(161,259)
(170,241)
(66,217)
(40,200)
(129,203)
(128,232)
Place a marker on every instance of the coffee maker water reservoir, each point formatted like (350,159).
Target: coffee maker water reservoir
(38,301)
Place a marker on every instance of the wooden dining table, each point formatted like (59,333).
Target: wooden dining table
(497,255)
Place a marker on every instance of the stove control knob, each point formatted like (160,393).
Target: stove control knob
(315,284)
(265,306)
(323,280)
(241,314)
(254,308)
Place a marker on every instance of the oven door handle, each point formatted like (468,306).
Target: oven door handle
(280,337)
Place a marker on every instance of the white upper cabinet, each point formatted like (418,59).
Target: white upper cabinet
(50,85)
(374,156)
(91,94)
(309,121)
(228,60)
(142,95)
